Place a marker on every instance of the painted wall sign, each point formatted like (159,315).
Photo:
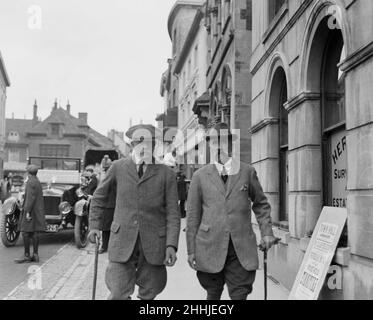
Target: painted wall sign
(319,255)
(339,170)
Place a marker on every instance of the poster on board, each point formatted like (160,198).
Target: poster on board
(319,255)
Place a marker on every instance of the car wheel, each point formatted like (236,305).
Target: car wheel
(9,229)
(81,232)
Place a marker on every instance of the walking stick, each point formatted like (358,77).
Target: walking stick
(265,266)
(97,245)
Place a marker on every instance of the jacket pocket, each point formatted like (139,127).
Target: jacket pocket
(204,228)
(115,227)
(162,232)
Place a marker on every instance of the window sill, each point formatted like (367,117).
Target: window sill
(275,21)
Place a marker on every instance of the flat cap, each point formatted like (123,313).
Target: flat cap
(33,169)
(143,132)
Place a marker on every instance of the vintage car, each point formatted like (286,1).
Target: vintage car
(66,204)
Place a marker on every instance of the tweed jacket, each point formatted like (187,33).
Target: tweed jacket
(146,207)
(217,213)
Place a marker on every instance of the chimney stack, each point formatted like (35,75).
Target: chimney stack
(35,113)
(35,116)
(55,105)
(83,117)
(68,107)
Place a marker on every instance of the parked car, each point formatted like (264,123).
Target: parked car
(66,204)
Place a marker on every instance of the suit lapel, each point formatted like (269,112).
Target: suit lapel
(132,170)
(232,181)
(150,172)
(216,179)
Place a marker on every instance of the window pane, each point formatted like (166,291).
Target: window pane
(274,7)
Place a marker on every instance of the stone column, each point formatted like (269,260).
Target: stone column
(305,163)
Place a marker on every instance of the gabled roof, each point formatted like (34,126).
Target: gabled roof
(3,71)
(72,125)
(20,126)
(100,139)
(177,6)
(60,116)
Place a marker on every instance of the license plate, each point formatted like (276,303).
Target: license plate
(52,228)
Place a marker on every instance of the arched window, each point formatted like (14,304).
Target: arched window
(226,94)
(278,99)
(174,99)
(174,42)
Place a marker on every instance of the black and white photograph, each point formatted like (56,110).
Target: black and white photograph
(210,151)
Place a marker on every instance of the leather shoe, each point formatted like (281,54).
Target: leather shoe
(24,259)
(35,258)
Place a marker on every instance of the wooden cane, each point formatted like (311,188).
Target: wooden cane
(97,245)
(265,266)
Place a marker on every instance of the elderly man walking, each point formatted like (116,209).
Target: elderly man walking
(33,216)
(222,245)
(146,227)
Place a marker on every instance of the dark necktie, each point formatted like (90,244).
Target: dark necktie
(141,170)
(224,176)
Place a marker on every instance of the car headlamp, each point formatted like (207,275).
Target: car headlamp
(65,208)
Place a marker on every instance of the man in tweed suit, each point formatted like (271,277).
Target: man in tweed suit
(222,245)
(146,227)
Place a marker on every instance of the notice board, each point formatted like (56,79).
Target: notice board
(319,255)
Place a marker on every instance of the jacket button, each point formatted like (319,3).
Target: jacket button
(136,223)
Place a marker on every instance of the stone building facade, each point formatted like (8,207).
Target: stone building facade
(179,23)
(4,83)
(190,69)
(229,28)
(312,132)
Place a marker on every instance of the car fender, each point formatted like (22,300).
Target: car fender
(10,206)
(81,208)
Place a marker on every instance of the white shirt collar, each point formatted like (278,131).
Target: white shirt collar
(137,160)
(227,166)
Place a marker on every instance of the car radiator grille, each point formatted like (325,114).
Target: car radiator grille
(51,206)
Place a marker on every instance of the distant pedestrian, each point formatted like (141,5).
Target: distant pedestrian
(33,216)
(5,188)
(109,210)
(221,242)
(92,181)
(182,193)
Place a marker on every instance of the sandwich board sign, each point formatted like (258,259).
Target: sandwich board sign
(319,255)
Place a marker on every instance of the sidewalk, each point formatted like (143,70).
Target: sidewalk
(69,276)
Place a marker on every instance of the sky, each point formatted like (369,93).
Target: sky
(105,57)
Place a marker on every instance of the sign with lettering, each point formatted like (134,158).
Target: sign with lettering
(319,255)
(339,170)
